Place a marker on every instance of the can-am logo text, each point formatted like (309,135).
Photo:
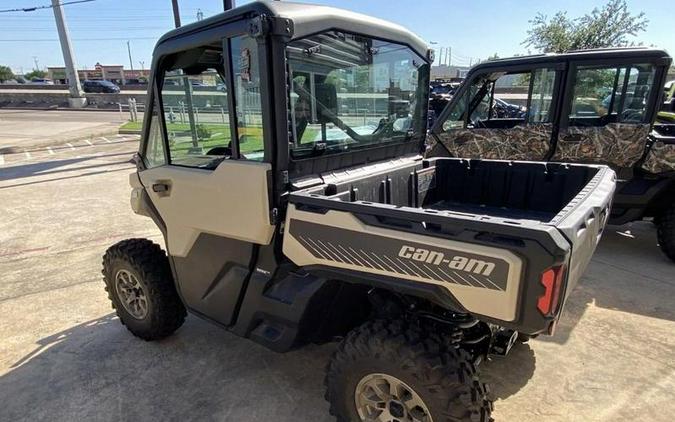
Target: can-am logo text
(457,262)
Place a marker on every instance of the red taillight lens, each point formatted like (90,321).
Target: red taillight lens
(552,280)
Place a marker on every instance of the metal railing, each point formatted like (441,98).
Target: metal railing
(132,106)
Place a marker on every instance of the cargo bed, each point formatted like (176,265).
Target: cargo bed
(474,236)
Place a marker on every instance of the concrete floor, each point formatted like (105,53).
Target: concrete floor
(64,356)
(22,130)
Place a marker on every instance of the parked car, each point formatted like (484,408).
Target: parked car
(503,109)
(41,81)
(136,81)
(104,87)
(594,106)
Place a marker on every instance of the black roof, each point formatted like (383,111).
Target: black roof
(592,54)
(308,19)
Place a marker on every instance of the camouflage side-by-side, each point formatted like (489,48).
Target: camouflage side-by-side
(617,144)
(660,159)
(529,142)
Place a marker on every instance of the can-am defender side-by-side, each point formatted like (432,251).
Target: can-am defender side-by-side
(296,207)
(591,106)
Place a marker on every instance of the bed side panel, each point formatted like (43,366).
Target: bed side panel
(483,279)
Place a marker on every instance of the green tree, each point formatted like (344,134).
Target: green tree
(610,26)
(6,73)
(35,74)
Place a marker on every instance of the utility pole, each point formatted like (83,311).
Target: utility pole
(77,98)
(37,66)
(187,86)
(200,14)
(131,62)
(176,13)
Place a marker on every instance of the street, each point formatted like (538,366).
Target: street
(64,355)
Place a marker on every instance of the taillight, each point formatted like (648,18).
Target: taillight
(552,280)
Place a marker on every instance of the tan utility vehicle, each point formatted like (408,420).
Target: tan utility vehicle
(281,157)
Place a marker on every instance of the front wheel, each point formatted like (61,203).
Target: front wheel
(140,286)
(395,372)
(665,231)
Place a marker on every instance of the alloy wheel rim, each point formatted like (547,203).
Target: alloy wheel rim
(131,294)
(385,398)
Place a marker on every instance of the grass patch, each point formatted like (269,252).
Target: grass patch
(132,126)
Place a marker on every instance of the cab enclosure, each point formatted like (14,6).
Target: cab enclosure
(592,106)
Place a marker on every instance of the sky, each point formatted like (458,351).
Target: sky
(473,30)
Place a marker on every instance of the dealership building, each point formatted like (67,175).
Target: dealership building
(114,73)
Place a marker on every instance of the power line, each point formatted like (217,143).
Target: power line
(34,8)
(165,28)
(92,18)
(80,39)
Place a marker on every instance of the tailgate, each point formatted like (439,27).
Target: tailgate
(583,220)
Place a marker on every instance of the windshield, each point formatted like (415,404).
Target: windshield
(350,91)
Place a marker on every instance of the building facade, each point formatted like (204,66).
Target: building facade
(113,73)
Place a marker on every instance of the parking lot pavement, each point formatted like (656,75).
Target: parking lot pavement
(64,356)
(23,130)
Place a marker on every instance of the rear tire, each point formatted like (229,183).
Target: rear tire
(140,286)
(665,232)
(433,382)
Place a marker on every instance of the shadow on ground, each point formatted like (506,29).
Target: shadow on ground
(506,375)
(628,273)
(99,371)
(50,167)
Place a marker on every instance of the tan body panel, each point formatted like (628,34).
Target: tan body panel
(230,201)
(499,304)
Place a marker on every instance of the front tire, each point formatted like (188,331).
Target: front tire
(665,231)
(395,371)
(140,286)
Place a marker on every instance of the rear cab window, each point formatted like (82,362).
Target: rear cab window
(350,92)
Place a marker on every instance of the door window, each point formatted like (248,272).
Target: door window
(196,115)
(610,94)
(154,149)
(505,100)
(246,73)
(541,96)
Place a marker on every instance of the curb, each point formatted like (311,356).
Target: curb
(108,110)
(128,132)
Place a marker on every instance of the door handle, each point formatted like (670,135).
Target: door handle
(573,137)
(161,188)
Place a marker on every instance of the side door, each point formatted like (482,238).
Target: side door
(605,115)
(500,113)
(206,171)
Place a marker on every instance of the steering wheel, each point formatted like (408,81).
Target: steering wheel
(227,151)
